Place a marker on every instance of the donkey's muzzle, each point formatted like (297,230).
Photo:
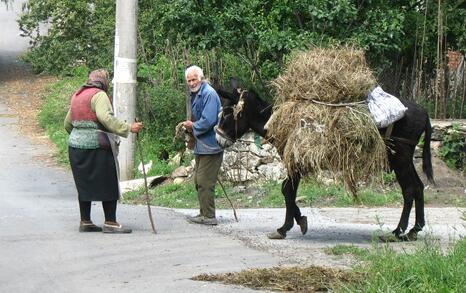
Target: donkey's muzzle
(222,139)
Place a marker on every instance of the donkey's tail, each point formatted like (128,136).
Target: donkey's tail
(426,155)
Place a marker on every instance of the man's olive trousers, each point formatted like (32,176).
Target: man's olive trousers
(205,177)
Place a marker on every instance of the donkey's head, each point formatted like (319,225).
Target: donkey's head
(233,122)
(241,110)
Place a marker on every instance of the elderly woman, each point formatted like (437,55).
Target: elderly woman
(92,151)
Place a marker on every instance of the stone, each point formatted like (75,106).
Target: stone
(179,172)
(248,137)
(176,160)
(178,180)
(130,185)
(239,189)
(146,168)
(240,175)
(257,151)
(274,171)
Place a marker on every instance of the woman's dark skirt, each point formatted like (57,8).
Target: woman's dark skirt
(95,174)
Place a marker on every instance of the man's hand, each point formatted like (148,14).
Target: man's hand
(188,125)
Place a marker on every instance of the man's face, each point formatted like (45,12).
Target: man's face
(193,81)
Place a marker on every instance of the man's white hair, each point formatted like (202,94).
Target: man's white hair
(196,69)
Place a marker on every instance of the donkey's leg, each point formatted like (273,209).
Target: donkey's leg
(289,189)
(419,208)
(412,188)
(293,189)
(399,163)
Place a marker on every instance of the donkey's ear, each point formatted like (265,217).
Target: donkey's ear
(234,83)
(227,95)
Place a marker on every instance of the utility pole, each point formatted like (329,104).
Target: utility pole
(124,81)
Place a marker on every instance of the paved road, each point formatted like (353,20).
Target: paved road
(11,45)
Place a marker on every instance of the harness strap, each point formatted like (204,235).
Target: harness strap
(405,140)
(388,136)
(388,132)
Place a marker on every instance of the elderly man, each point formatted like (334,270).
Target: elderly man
(208,154)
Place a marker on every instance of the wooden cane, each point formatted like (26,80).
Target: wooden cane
(145,182)
(226,195)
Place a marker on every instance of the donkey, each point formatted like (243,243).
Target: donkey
(244,110)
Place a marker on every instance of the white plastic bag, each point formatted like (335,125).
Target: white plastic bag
(385,108)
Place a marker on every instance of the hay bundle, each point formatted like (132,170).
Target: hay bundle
(326,75)
(312,137)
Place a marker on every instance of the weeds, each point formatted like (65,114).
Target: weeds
(347,249)
(425,270)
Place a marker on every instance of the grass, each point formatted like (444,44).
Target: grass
(428,269)
(166,195)
(267,195)
(347,249)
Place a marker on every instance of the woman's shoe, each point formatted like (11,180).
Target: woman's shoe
(89,227)
(115,228)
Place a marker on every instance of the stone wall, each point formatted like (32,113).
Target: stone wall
(440,128)
(248,160)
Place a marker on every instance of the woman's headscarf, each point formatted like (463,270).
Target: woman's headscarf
(98,78)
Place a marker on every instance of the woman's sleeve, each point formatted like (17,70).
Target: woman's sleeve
(67,123)
(100,103)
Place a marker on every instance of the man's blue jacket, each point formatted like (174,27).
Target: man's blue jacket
(205,109)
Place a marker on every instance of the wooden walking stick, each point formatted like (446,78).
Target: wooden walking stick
(145,183)
(231,203)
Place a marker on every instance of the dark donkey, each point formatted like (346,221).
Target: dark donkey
(244,110)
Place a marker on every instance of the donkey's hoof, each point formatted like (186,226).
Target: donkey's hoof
(303,224)
(390,237)
(411,236)
(276,235)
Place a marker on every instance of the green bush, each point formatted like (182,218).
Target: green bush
(161,108)
(453,150)
(79,33)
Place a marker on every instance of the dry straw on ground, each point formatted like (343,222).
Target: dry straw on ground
(307,279)
(318,123)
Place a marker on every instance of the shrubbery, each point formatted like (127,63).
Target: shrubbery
(453,150)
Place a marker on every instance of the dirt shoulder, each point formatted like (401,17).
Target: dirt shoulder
(22,91)
(449,188)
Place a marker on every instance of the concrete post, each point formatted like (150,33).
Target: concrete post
(124,81)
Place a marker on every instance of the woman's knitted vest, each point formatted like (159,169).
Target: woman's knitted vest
(85,133)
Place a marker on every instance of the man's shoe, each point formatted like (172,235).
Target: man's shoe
(203,220)
(115,228)
(89,227)
(190,218)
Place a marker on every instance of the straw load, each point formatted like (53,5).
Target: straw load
(321,120)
